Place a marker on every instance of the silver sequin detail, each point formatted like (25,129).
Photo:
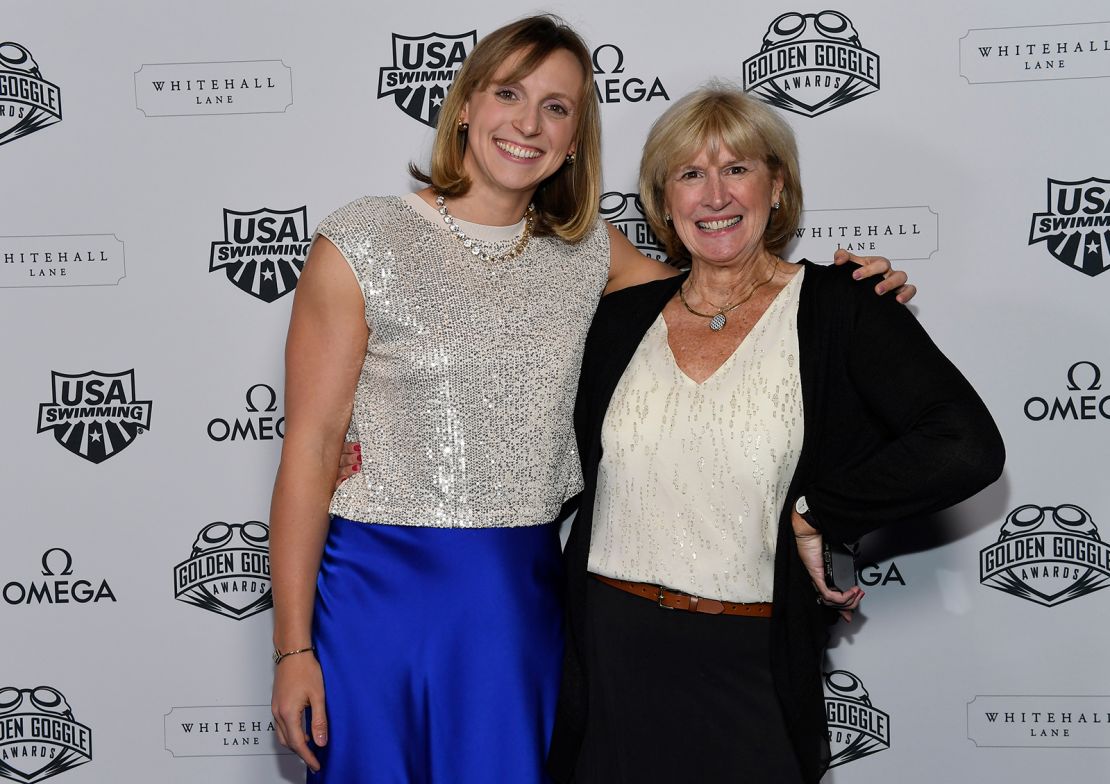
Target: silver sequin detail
(693,476)
(464,403)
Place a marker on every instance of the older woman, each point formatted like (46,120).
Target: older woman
(728,420)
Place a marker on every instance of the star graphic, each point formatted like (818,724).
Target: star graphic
(95,437)
(268,275)
(437,101)
(1092,247)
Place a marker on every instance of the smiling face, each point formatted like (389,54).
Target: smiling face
(720,203)
(521,131)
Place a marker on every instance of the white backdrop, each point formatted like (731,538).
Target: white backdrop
(970,661)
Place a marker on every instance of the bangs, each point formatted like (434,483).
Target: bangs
(531,56)
(719,127)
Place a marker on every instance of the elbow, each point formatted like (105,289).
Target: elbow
(990,458)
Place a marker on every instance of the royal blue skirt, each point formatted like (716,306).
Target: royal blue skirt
(441,650)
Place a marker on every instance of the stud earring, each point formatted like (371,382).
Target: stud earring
(775,206)
(569,160)
(667,217)
(463,126)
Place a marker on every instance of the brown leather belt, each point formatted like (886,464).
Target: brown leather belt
(676,600)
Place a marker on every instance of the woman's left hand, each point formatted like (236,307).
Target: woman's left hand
(809,542)
(892,279)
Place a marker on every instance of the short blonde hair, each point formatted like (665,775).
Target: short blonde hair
(567,201)
(720,115)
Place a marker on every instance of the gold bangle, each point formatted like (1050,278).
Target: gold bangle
(278,655)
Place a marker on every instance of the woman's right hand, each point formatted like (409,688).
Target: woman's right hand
(809,543)
(299,684)
(350,462)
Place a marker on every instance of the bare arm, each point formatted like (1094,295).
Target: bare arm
(323,355)
(629,267)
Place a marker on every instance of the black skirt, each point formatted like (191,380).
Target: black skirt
(679,697)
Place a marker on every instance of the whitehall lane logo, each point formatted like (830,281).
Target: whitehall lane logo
(613,85)
(900,233)
(228,570)
(59,586)
(626,212)
(1076,227)
(1039,721)
(238,87)
(262,422)
(221,731)
(423,68)
(856,727)
(811,64)
(61,260)
(39,736)
(264,251)
(1082,399)
(1047,555)
(1037,53)
(95,415)
(28,102)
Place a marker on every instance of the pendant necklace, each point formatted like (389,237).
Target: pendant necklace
(718,320)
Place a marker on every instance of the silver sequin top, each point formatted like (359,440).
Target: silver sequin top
(693,476)
(464,403)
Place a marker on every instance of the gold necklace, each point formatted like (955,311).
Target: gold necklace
(717,320)
(519,244)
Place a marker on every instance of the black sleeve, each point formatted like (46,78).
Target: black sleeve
(944,444)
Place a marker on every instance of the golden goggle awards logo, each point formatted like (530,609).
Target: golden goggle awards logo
(626,212)
(1047,555)
(39,737)
(856,727)
(28,102)
(811,64)
(228,570)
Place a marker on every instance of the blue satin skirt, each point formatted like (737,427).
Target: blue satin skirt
(441,650)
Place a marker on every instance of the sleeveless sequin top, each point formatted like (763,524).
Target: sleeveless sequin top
(465,400)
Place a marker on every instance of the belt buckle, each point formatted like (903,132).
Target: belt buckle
(661,597)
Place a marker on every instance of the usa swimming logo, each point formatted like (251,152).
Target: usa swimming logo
(264,251)
(95,415)
(423,68)
(811,64)
(1047,555)
(28,102)
(1076,227)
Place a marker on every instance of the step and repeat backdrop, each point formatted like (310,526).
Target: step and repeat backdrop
(162,168)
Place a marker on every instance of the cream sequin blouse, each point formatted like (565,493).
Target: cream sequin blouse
(464,404)
(693,476)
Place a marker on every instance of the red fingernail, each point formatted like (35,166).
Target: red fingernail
(358,447)
(355,467)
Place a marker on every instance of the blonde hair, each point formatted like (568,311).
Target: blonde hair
(720,115)
(567,201)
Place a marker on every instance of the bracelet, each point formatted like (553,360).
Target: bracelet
(278,655)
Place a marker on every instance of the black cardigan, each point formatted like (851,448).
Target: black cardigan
(892,431)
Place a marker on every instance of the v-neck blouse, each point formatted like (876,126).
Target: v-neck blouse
(693,475)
